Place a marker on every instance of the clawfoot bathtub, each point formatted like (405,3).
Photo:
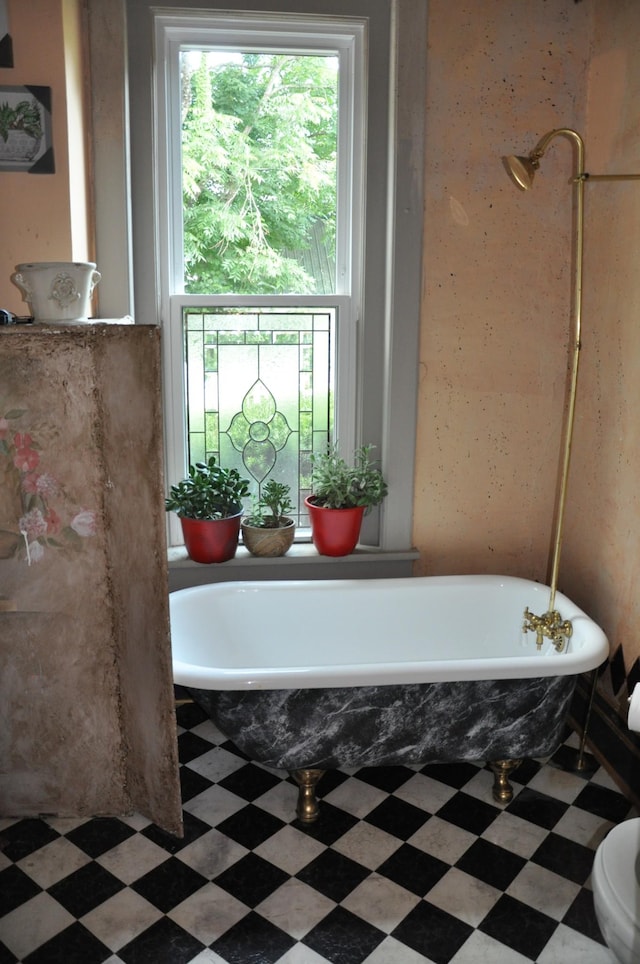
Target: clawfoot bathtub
(306,676)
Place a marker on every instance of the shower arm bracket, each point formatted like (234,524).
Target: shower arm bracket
(550,625)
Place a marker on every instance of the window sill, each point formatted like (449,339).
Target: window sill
(301,562)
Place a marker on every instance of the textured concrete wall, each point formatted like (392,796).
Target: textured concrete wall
(86,696)
(497,282)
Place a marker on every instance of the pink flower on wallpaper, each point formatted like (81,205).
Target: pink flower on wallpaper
(26,458)
(43,501)
(46,486)
(33,524)
(54,522)
(84,523)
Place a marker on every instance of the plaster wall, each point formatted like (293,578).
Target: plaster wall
(601,566)
(497,282)
(45,216)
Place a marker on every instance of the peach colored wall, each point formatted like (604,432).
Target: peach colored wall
(602,559)
(39,220)
(497,301)
(497,282)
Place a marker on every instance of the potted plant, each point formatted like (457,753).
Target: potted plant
(342,495)
(268,530)
(209,505)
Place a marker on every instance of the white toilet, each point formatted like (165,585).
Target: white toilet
(616,890)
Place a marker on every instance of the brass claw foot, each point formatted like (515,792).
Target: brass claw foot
(307,807)
(502,789)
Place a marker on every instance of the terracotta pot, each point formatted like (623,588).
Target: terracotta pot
(211,540)
(334,532)
(266,542)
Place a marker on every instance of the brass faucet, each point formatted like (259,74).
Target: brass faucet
(551,625)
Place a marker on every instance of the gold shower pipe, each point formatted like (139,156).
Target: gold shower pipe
(522,170)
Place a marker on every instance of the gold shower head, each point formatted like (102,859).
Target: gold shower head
(522,169)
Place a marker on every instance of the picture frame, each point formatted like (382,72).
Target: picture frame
(25,129)
(6,43)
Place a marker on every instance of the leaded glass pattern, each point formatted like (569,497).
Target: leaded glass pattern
(260,392)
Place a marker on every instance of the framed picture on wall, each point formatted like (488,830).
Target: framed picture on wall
(25,130)
(6,44)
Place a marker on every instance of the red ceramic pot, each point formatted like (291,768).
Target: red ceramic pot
(334,532)
(211,540)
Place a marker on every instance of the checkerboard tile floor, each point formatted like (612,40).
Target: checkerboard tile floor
(405,865)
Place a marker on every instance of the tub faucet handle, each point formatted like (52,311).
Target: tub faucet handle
(549,625)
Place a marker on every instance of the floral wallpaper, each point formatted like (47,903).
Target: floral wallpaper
(38,514)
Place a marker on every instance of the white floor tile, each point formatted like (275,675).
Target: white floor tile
(33,924)
(295,908)
(381,902)
(53,862)
(121,918)
(463,896)
(442,839)
(356,797)
(208,913)
(547,892)
(289,849)
(367,845)
(514,834)
(133,858)
(568,947)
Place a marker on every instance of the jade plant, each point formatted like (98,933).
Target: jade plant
(209,492)
(270,510)
(337,485)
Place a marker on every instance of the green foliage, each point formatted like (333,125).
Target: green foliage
(209,492)
(259,143)
(25,116)
(337,485)
(272,506)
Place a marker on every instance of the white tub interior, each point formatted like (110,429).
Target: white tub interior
(290,634)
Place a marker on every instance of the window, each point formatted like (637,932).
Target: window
(356,333)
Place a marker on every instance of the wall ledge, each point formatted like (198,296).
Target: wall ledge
(301,562)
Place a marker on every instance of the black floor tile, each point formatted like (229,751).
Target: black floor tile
(162,943)
(331,824)
(249,781)
(22,838)
(495,865)
(75,944)
(193,828)
(468,812)
(15,888)
(85,889)
(453,774)
(251,879)
(192,783)
(565,857)
(191,746)
(6,957)
(250,826)
(343,938)
(169,884)
(397,817)
(525,771)
(432,932)
(385,778)
(603,802)
(333,874)
(189,715)
(97,836)
(414,870)
(537,808)
(253,940)
(520,927)
(581,916)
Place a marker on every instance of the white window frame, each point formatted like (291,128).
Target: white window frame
(126,241)
(267,33)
